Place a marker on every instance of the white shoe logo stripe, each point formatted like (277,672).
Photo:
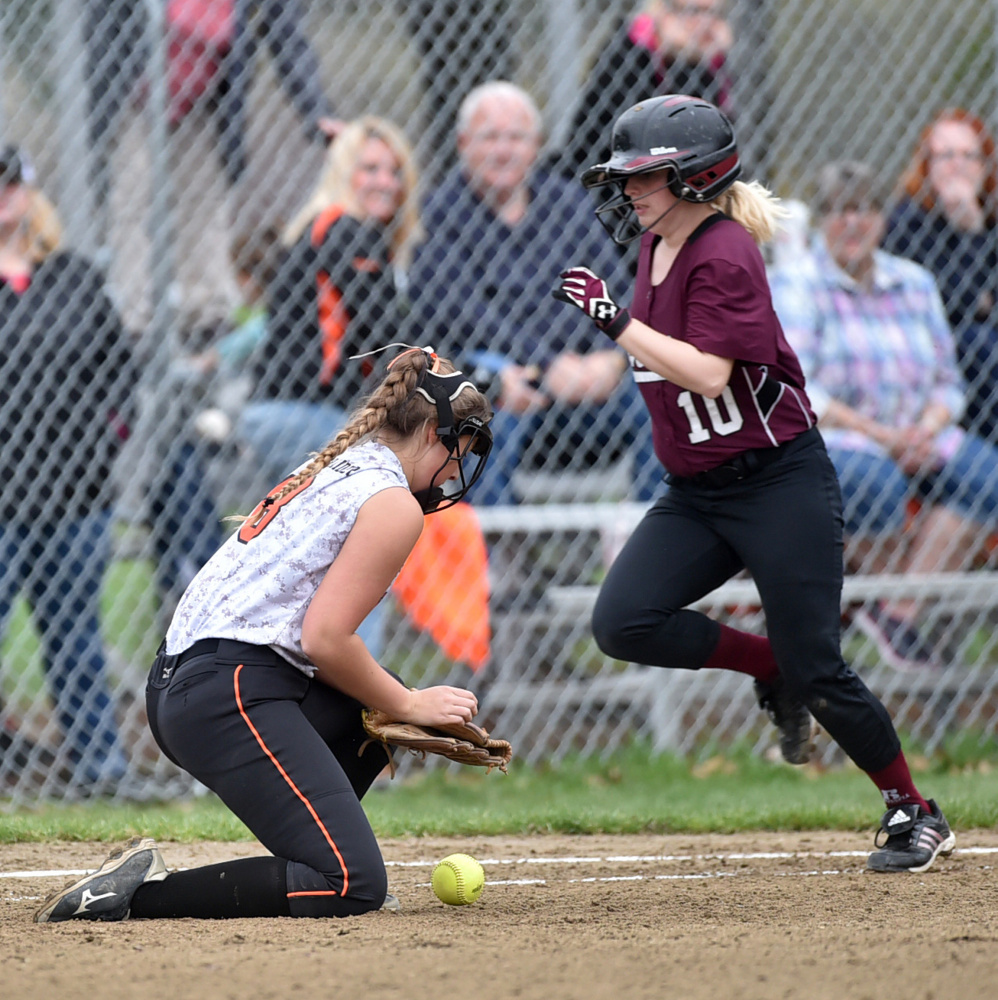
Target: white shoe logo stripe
(88,898)
(899,817)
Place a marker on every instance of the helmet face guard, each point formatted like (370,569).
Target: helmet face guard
(616,213)
(471,456)
(686,135)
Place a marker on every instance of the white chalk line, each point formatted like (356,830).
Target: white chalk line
(586,860)
(644,858)
(594,860)
(698,876)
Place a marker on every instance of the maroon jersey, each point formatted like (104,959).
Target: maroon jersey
(716,296)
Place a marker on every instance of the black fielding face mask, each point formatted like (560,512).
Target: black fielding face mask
(441,390)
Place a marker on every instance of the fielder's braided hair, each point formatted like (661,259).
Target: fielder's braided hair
(394,405)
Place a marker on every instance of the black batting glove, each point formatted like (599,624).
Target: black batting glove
(588,292)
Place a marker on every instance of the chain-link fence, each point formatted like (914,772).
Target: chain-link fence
(162,373)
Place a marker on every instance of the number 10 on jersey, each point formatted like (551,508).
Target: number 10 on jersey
(722,425)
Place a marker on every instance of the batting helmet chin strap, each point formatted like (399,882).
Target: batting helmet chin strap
(442,390)
(616,214)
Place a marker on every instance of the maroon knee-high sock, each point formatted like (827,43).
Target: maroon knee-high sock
(895,784)
(744,652)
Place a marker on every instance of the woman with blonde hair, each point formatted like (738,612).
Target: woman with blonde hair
(340,288)
(336,186)
(259,686)
(751,486)
(65,383)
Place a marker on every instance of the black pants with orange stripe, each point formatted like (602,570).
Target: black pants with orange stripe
(281,751)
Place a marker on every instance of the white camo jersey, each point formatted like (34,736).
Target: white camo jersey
(257,587)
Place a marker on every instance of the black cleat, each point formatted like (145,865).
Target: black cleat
(106,894)
(791,717)
(915,839)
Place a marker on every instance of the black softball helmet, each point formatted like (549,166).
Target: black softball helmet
(688,135)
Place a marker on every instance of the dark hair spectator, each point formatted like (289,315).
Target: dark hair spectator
(668,47)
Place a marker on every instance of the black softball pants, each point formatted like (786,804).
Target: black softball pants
(784,525)
(281,751)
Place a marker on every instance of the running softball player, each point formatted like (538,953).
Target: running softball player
(750,483)
(259,689)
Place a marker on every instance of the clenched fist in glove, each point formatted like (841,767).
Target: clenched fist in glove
(586,290)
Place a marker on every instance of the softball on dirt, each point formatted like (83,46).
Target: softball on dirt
(458,880)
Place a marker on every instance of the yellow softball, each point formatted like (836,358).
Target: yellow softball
(458,879)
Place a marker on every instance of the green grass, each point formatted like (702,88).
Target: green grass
(128,604)
(631,793)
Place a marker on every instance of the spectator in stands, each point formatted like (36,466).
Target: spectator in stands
(188,276)
(65,380)
(461,43)
(210,56)
(481,289)
(208,391)
(669,47)
(877,352)
(211,61)
(227,361)
(946,220)
(338,291)
(255,256)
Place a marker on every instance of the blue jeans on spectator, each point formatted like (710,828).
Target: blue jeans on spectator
(186,525)
(875,490)
(59,566)
(624,414)
(282,435)
(977,353)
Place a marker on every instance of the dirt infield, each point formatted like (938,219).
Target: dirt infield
(750,917)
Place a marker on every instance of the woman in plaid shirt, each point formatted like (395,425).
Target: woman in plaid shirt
(876,348)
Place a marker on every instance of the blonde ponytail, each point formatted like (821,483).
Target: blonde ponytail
(753,206)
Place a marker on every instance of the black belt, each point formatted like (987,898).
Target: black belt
(741,466)
(201,648)
(165,665)
(225,651)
